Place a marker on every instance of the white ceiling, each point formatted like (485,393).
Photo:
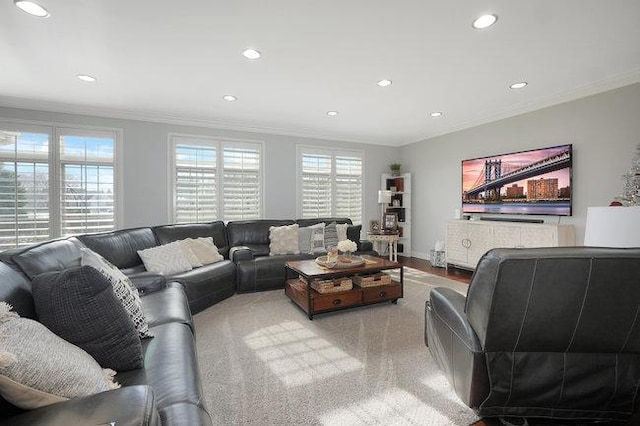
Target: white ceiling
(159,61)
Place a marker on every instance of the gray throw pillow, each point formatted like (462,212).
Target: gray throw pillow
(307,238)
(330,236)
(80,306)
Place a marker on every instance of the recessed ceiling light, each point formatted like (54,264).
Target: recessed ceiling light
(436,114)
(229,98)
(31,8)
(484,21)
(251,54)
(332,113)
(518,85)
(384,83)
(87,78)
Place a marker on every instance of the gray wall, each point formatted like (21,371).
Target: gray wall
(145,164)
(604,130)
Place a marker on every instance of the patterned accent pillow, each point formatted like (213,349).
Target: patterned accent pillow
(283,240)
(330,236)
(189,254)
(307,237)
(204,249)
(124,289)
(317,241)
(79,305)
(167,259)
(38,368)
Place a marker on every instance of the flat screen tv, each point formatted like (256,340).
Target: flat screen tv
(534,182)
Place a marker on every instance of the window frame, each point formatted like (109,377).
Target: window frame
(218,143)
(55,131)
(332,152)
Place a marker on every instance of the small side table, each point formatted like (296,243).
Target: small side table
(390,239)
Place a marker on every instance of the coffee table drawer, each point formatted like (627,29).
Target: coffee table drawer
(383,292)
(323,302)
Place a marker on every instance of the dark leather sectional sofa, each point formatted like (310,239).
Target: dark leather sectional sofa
(167,390)
(544,332)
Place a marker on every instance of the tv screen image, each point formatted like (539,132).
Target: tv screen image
(536,182)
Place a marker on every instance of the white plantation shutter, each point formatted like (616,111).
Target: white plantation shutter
(216,180)
(330,183)
(195,178)
(24,188)
(316,185)
(55,182)
(348,184)
(241,181)
(87,184)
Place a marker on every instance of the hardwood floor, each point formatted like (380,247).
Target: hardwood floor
(425,266)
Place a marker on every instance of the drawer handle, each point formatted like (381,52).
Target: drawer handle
(337,301)
(382,294)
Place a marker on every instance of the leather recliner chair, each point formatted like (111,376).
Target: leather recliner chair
(548,332)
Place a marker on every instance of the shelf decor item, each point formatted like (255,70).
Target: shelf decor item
(395,169)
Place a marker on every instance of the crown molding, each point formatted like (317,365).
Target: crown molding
(612,83)
(65,108)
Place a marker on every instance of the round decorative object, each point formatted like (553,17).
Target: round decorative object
(341,263)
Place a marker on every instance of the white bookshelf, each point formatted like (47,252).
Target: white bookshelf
(402,197)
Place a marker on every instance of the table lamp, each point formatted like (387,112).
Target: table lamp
(384,198)
(612,227)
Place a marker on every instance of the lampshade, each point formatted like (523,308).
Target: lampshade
(612,227)
(384,197)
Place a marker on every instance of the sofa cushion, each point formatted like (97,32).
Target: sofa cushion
(121,247)
(283,239)
(168,305)
(55,255)
(166,259)
(38,368)
(15,289)
(353,234)
(80,306)
(216,230)
(122,287)
(309,222)
(252,232)
(170,366)
(208,285)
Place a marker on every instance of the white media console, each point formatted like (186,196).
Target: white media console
(468,240)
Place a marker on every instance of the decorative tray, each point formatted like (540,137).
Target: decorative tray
(355,261)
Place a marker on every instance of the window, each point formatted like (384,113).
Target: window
(330,183)
(40,164)
(215,179)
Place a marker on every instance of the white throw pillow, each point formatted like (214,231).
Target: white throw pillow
(284,240)
(38,368)
(124,289)
(204,249)
(189,254)
(341,228)
(166,259)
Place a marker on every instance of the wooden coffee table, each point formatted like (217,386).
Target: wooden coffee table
(312,302)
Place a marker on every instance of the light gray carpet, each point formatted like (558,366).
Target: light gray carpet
(264,363)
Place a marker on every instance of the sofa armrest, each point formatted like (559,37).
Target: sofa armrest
(148,282)
(127,406)
(239,253)
(448,306)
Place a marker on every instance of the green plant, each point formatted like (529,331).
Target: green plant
(395,167)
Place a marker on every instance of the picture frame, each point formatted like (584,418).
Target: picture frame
(390,221)
(374,226)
